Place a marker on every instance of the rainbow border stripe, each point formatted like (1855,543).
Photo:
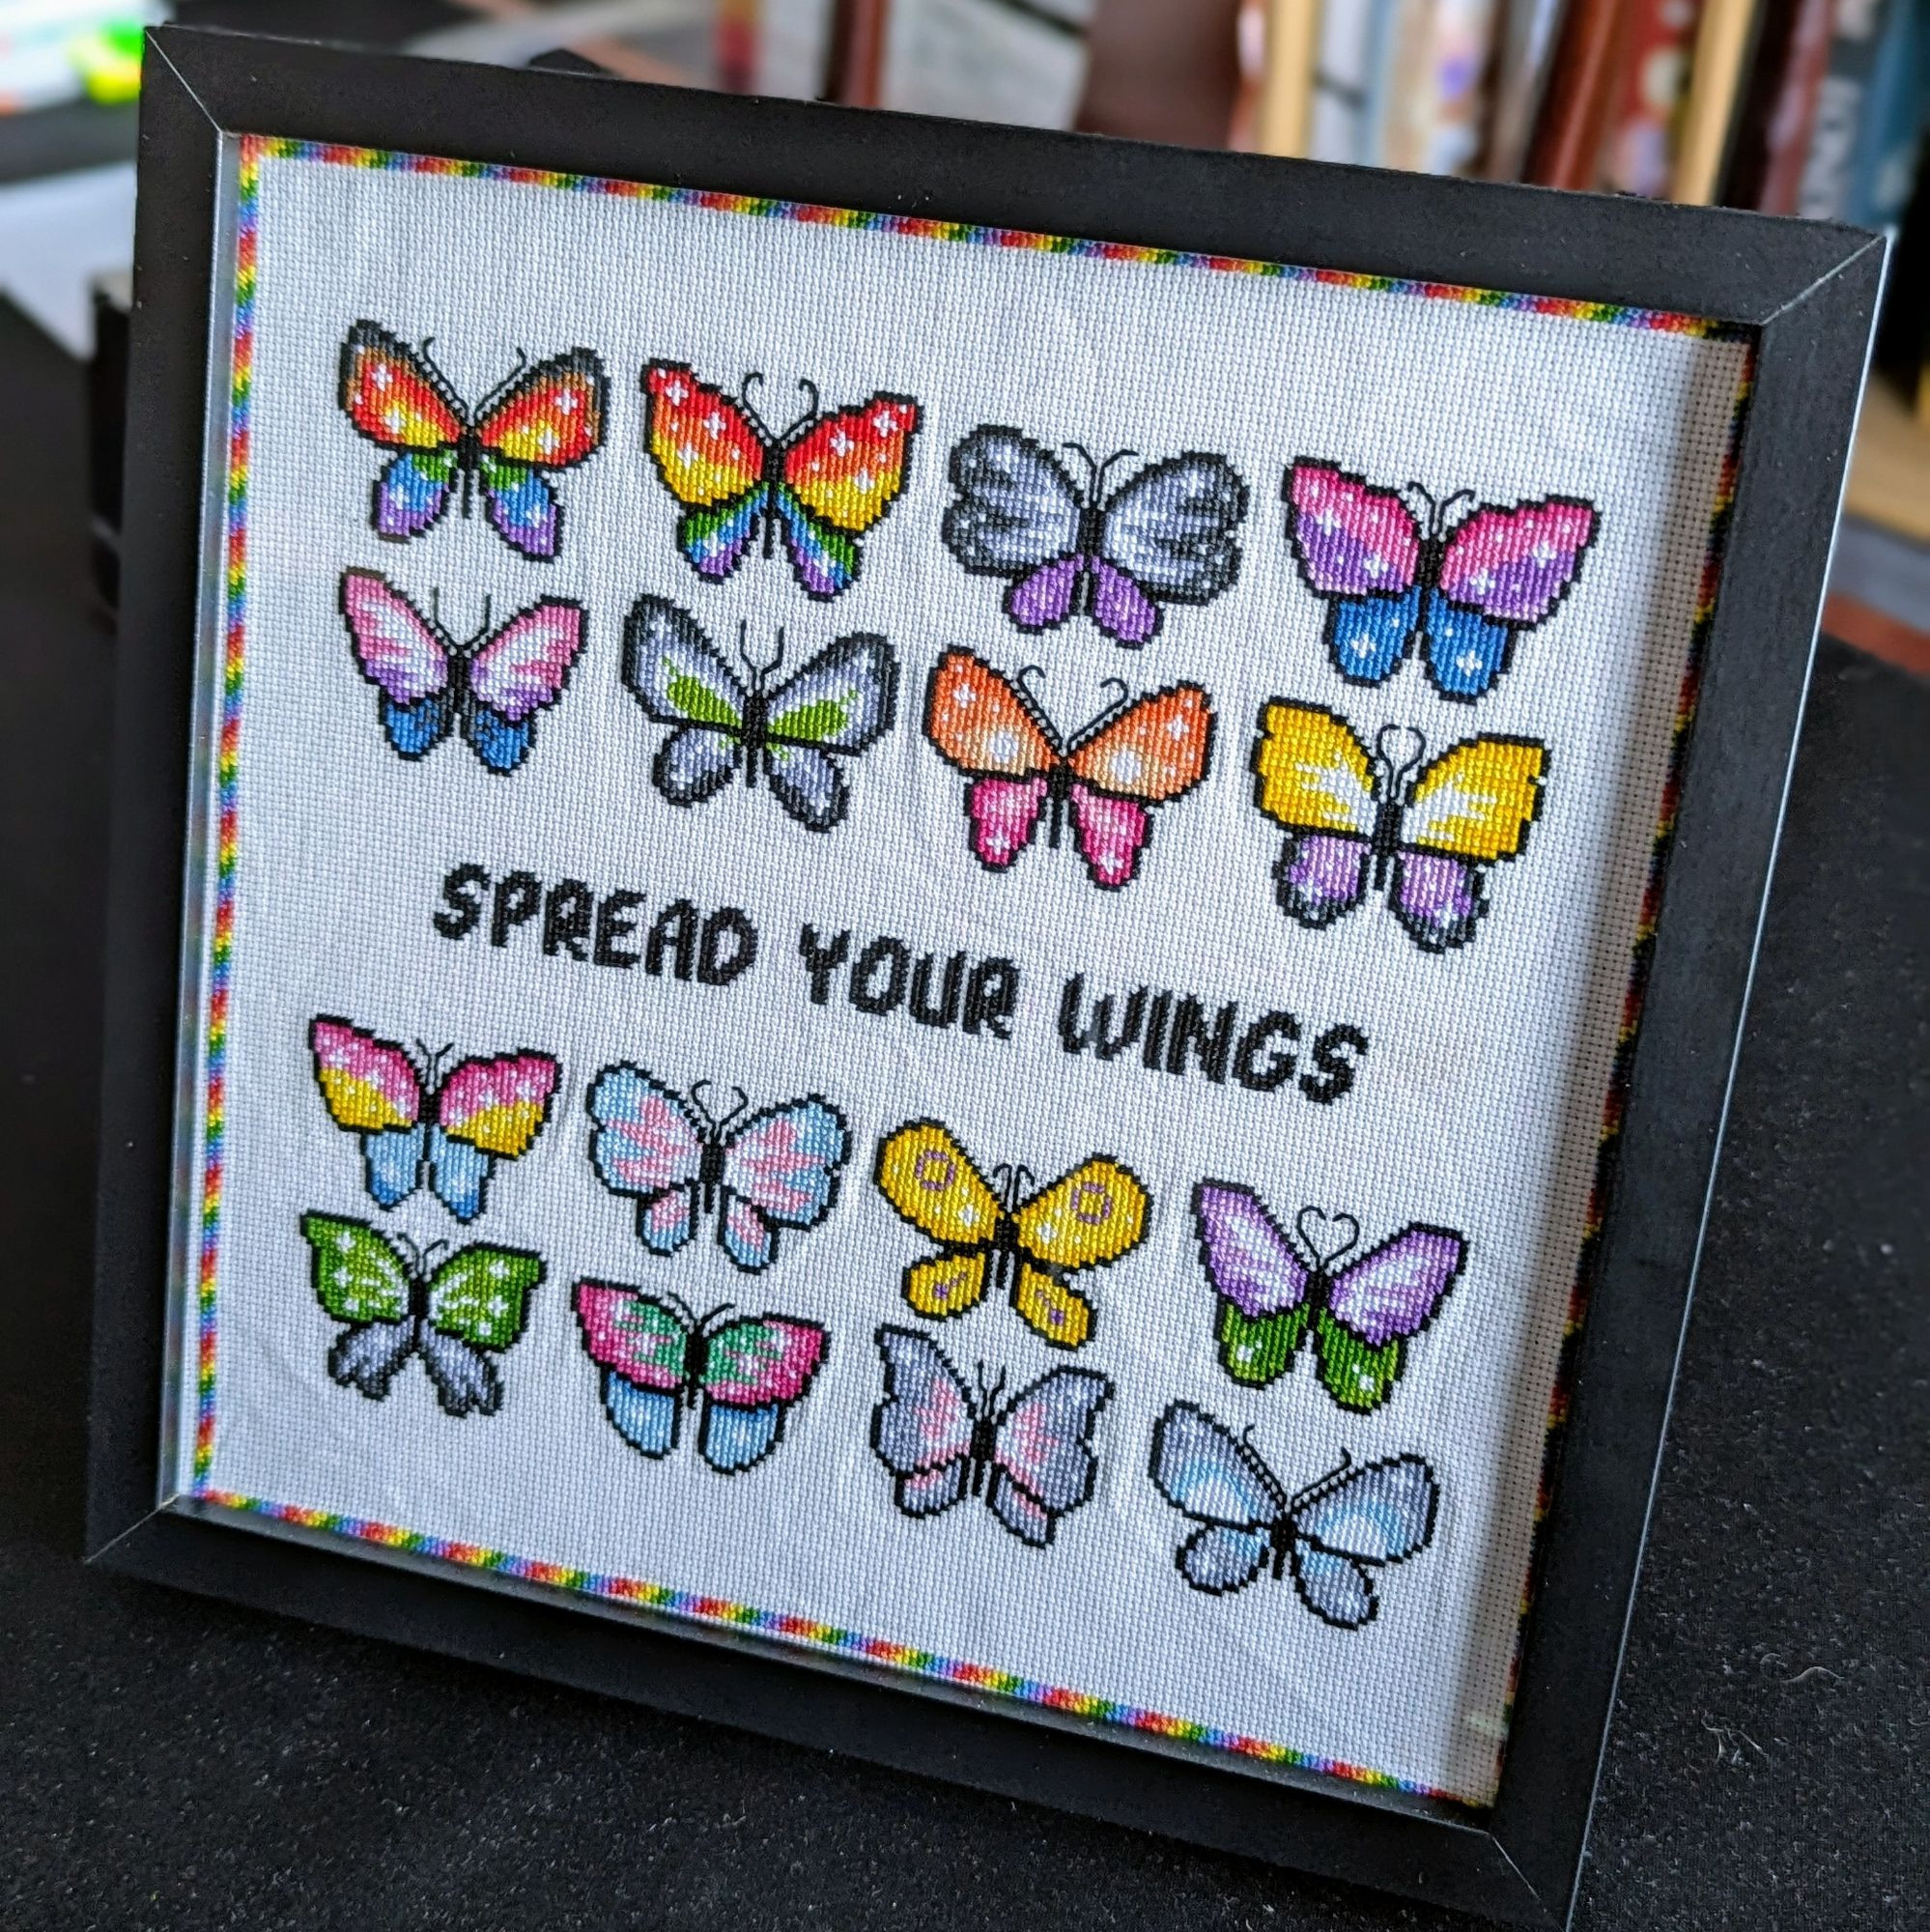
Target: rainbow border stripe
(658,1597)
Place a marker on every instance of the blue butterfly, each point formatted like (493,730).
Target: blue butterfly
(1332,1536)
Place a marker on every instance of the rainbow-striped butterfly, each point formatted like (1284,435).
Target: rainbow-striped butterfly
(535,421)
(420,1123)
(824,480)
(1462,578)
(742,1372)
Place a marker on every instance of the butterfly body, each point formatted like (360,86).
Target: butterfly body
(422,1127)
(1332,1538)
(488,689)
(793,736)
(776,1169)
(538,420)
(739,1374)
(1164,536)
(1359,820)
(1276,1293)
(822,483)
(1104,781)
(1458,579)
(452,1315)
(1031,1458)
(1010,1241)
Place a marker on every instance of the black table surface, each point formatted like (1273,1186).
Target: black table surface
(169,1761)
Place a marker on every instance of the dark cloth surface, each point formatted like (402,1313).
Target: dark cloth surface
(172,1762)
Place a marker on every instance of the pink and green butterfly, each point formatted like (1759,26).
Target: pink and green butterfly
(741,1372)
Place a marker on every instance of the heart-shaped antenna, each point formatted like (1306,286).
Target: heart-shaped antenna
(1326,1237)
(1413,748)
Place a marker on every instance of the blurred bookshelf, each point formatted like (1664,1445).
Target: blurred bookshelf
(1813,107)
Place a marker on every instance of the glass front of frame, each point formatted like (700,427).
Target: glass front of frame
(916,941)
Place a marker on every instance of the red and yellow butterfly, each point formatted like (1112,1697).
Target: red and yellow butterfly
(549,417)
(1136,755)
(826,479)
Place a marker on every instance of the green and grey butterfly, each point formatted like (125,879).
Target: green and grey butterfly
(840,703)
(399,1302)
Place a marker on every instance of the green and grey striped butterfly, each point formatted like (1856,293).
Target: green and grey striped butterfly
(840,705)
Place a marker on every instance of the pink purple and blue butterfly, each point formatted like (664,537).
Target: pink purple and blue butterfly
(776,1169)
(1459,578)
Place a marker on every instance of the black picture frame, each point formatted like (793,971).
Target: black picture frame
(1806,293)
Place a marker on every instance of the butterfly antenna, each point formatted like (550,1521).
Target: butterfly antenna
(1331,1224)
(810,411)
(1099,469)
(753,379)
(743,1101)
(1414,750)
(1036,704)
(1107,710)
(702,1106)
(759,672)
(714,1318)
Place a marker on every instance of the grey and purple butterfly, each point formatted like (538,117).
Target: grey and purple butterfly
(1030,1458)
(1333,1538)
(1358,820)
(1460,577)
(1074,549)
(1276,1293)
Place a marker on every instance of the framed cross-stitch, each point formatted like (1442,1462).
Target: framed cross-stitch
(930,936)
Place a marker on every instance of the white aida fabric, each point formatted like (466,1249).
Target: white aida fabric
(917,945)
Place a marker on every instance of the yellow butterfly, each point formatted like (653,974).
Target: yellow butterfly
(1428,829)
(1026,1247)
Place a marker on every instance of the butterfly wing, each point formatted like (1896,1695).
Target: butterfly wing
(981,724)
(404,656)
(1088,1218)
(922,1430)
(677,674)
(1042,1460)
(1352,1524)
(754,1371)
(1261,1281)
(931,1181)
(1016,512)
(1058,1314)
(366,1358)
(358,1278)
(780,1169)
(1375,1306)
(520,672)
(711,458)
(1468,809)
(1204,1472)
(488,1110)
(371,1088)
(641,1345)
(838,479)
(1314,777)
(1359,547)
(1167,536)
(481,1294)
(1502,571)
(844,700)
(396,400)
(646,1144)
(550,417)
(1156,750)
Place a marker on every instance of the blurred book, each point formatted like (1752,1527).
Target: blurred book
(1778,107)
(1018,60)
(1565,145)
(1651,79)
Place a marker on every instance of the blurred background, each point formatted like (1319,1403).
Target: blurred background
(1813,107)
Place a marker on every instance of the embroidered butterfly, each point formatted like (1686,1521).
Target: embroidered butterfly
(824,481)
(536,421)
(658,1360)
(1361,1316)
(1019,1244)
(778,1169)
(492,686)
(420,1126)
(840,705)
(1462,578)
(1072,550)
(1136,755)
(1334,1537)
(1426,832)
(1030,1460)
(400,1301)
